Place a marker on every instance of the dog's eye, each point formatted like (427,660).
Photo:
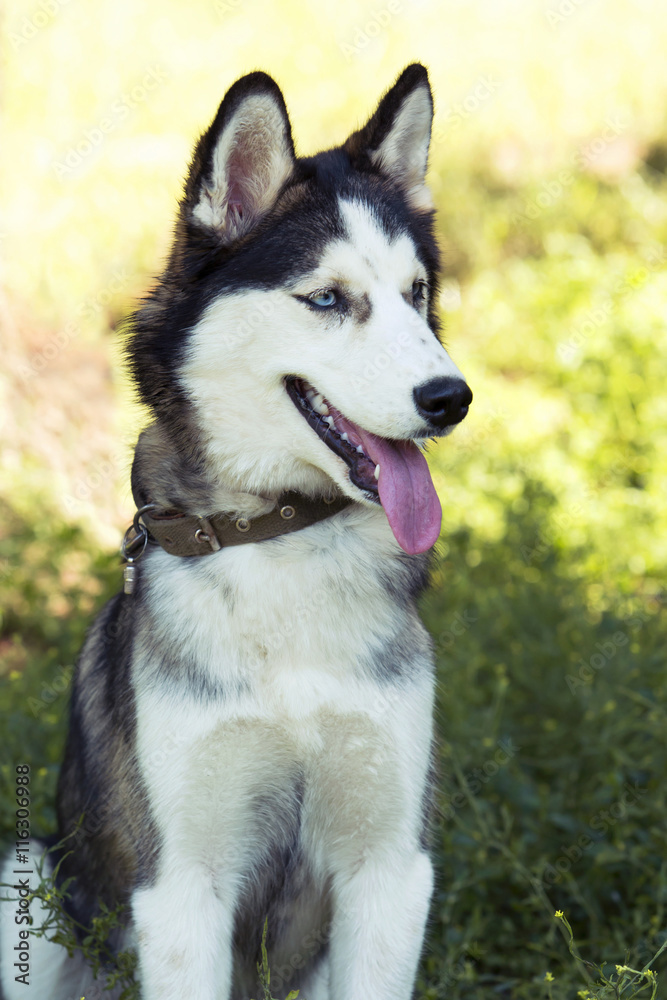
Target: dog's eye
(324,299)
(419,292)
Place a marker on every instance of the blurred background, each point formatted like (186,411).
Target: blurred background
(547,602)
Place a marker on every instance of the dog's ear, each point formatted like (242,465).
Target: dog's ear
(395,140)
(241,164)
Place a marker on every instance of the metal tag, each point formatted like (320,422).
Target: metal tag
(129,576)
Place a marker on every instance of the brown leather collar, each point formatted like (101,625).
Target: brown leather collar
(188,535)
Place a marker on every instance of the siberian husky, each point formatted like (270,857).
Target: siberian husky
(251,720)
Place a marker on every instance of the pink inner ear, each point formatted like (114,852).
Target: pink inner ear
(239,168)
(235,202)
(235,207)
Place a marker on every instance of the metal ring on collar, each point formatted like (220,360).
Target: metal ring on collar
(133,546)
(242,524)
(287,512)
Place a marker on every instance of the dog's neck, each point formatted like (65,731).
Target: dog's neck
(176,478)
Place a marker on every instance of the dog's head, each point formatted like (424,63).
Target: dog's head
(292,340)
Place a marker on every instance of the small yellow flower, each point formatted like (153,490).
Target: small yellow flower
(559,913)
(549,978)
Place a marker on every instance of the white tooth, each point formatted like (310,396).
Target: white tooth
(330,421)
(344,437)
(377,472)
(360,449)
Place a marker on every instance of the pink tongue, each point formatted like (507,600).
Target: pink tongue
(406,491)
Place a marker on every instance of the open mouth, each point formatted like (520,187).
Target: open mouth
(339,434)
(392,473)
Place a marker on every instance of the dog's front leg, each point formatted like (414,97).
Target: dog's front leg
(378,928)
(184,937)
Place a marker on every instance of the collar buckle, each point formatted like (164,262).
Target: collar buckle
(206,533)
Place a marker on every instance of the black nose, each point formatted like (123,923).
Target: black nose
(443,401)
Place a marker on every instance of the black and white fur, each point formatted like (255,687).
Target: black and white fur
(251,731)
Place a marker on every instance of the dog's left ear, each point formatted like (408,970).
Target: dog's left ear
(396,139)
(241,164)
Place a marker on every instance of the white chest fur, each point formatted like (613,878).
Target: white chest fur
(281,666)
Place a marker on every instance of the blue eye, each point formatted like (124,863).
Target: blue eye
(324,299)
(419,292)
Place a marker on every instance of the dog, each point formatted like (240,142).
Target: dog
(251,737)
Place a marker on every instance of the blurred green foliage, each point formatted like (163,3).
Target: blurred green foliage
(546,610)
(548,591)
